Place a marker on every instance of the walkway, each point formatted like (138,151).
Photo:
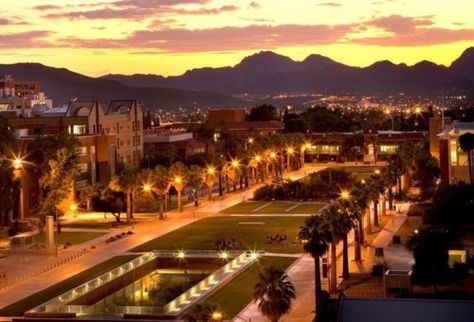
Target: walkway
(301,273)
(142,233)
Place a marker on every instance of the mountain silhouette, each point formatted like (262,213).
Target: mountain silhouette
(267,72)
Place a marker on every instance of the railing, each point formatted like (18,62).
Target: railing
(60,303)
(62,300)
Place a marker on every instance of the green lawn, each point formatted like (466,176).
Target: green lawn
(245,207)
(204,233)
(360,169)
(307,208)
(69,237)
(236,294)
(20,307)
(276,207)
(89,224)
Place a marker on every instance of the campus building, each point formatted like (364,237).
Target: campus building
(453,160)
(358,146)
(106,137)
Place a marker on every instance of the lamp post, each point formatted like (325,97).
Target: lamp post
(179,185)
(210,180)
(289,153)
(17,164)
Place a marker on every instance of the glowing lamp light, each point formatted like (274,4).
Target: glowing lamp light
(258,158)
(73,207)
(416,231)
(178,180)
(211,170)
(224,255)
(235,163)
(146,188)
(272,155)
(253,255)
(251,140)
(307,145)
(377,171)
(345,194)
(362,181)
(216,315)
(17,163)
(290,150)
(418,110)
(181,254)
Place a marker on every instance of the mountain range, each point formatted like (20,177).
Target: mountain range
(262,73)
(267,72)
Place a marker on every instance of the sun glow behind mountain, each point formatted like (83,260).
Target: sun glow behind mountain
(168,37)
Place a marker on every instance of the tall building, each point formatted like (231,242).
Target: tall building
(106,137)
(453,160)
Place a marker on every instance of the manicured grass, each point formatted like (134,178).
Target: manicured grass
(20,307)
(204,233)
(236,294)
(74,238)
(307,208)
(89,224)
(359,169)
(275,208)
(245,207)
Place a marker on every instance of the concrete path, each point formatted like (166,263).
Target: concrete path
(142,233)
(301,272)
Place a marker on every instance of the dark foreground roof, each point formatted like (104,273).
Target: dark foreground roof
(405,310)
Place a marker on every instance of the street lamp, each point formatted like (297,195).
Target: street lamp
(377,171)
(147,187)
(216,316)
(211,170)
(234,163)
(17,163)
(345,195)
(251,140)
(181,254)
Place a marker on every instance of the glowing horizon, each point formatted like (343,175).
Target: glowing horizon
(168,37)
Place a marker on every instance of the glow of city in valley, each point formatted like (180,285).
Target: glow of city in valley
(168,37)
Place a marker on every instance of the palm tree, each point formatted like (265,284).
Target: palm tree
(274,292)
(376,187)
(178,176)
(330,215)
(344,223)
(157,181)
(466,142)
(126,181)
(356,209)
(196,179)
(314,235)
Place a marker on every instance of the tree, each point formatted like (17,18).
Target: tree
(126,181)
(178,178)
(9,188)
(426,172)
(196,179)
(466,142)
(343,224)
(159,183)
(430,250)
(57,185)
(376,186)
(86,195)
(262,113)
(357,204)
(314,235)
(111,201)
(7,138)
(274,293)
(331,217)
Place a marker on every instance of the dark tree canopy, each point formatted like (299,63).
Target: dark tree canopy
(262,113)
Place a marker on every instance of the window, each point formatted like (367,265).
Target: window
(81,151)
(82,167)
(388,149)
(138,125)
(77,129)
(93,128)
(138,141)
(453,152)
(118,126)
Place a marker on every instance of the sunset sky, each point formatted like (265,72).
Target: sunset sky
(168,37)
